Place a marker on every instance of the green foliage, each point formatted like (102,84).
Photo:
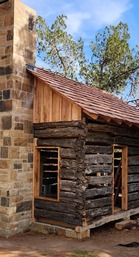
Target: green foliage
(57,48)
(112,66)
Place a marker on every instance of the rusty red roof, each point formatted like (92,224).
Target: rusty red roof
(92,100)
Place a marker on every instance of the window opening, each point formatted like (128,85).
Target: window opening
(49,172)
(120,178)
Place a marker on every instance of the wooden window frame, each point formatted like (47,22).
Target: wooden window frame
(124,203)
(37,174)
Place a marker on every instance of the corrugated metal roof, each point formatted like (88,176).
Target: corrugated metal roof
(92,100)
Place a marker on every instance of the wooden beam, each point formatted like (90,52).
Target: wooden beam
(108,218)
(92,115)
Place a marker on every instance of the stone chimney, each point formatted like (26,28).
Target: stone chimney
(17,48)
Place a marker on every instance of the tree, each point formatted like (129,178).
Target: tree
(113,64)
(58,49)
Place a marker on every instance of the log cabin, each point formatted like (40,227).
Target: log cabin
(86,155)
(69,153)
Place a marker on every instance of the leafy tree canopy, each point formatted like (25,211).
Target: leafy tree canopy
(112,66)
(58,48)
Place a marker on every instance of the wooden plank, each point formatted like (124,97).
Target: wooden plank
(76,112)
(36,102)
(124,178)
(97,181)
(65,109)
(41,100)
(56,106)
(36,172)
(47,104)
(58,179)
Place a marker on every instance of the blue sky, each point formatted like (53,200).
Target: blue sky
(87,17)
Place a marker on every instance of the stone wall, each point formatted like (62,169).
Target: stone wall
(17,48)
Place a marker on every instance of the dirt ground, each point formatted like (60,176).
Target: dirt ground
(104,242)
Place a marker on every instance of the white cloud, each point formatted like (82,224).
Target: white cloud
(82,15)
(107,12)
(75,21)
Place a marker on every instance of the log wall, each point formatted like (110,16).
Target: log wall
(86,169)
(70,137)
(100,139)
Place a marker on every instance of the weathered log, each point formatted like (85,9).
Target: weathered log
(77,200)
(59,142)
(68,185)
(103,201)
(67,132)
(98,212)
(133,204)
(133,178)
(100,180)
(55,206)
(67,153)
(68,163)
(99,138)
(98,159)
(70,174)
(61,124)
(133,187)
(114,130)
(133,169)
(133,196)
(93,169)
(91,149)
(126,141)
(71,196)
(133,160)
(133,151)
(54,215)
(90,193)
